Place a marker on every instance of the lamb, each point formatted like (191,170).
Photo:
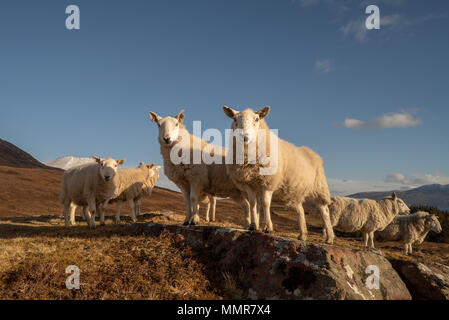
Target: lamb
(365,215)
(411,229)
(299,176)
(196,181)
(133,185)
(89,186)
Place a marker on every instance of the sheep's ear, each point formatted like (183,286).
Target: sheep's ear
(119,162)
(97,159)
(393,195)
(154,117)
(229,112)
(263,112)
(141,164)
(180,116)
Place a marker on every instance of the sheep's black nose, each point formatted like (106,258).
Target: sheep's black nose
(245,138)
(167,140)
(107,178)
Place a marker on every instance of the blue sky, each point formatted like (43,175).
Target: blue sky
(372,103)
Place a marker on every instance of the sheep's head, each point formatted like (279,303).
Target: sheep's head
(402,206)
(246,123)
(168,127)
(108,167)
(433,223)
(151,168)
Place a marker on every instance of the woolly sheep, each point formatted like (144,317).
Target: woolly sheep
(133,184)
(89,186)
(196,181)
(365,215)
(411,229)
(299,176)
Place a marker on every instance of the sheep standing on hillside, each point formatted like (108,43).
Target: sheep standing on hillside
(365,215)
(89,186)
(196,181)
(133,184)
(298,178)
(411,229)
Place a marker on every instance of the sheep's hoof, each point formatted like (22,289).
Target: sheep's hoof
(252,228)
(207,220)
(193,223)
(186,223)
(302,237)
(267,231)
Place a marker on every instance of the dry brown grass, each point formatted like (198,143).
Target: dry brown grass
(113,264)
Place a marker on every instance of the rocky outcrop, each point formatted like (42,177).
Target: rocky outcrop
(425,282)
(267,267)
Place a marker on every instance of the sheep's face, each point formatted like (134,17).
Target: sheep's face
(168,127)
(108,167)
(246,123)
(403,208)
(433,223)
(150,168)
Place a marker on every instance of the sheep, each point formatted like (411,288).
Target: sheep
(133,185)
(411,229)
(89,186)
(196,181)
(365,215)
(298,177)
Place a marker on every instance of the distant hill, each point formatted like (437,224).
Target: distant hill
(12,156)
(66,163)
(435,195)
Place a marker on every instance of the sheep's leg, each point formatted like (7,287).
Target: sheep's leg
(325,216)
(194,198)
(72,214)
(371,239)
(66,213)
(117,213)
(133,209)
(406,248)
(138,203)
(90,218)
(252,198)
(266,202)
(365,238)
(100,210)
(207,210)
(410,250)
(186,194)
(246,209)
(213,204)
(302,223)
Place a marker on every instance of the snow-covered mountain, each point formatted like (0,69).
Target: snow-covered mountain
(66,163)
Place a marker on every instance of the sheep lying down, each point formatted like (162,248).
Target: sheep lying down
(365,215)
(410,229)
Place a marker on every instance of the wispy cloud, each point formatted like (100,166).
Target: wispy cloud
(393,120)
(324,65)
(416,179)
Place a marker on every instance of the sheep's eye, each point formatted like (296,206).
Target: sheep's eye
(256,119)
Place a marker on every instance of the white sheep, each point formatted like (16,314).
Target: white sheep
(89,186)
(411,229)
(365,215)
(298,178)
(133,184)
(196,181)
